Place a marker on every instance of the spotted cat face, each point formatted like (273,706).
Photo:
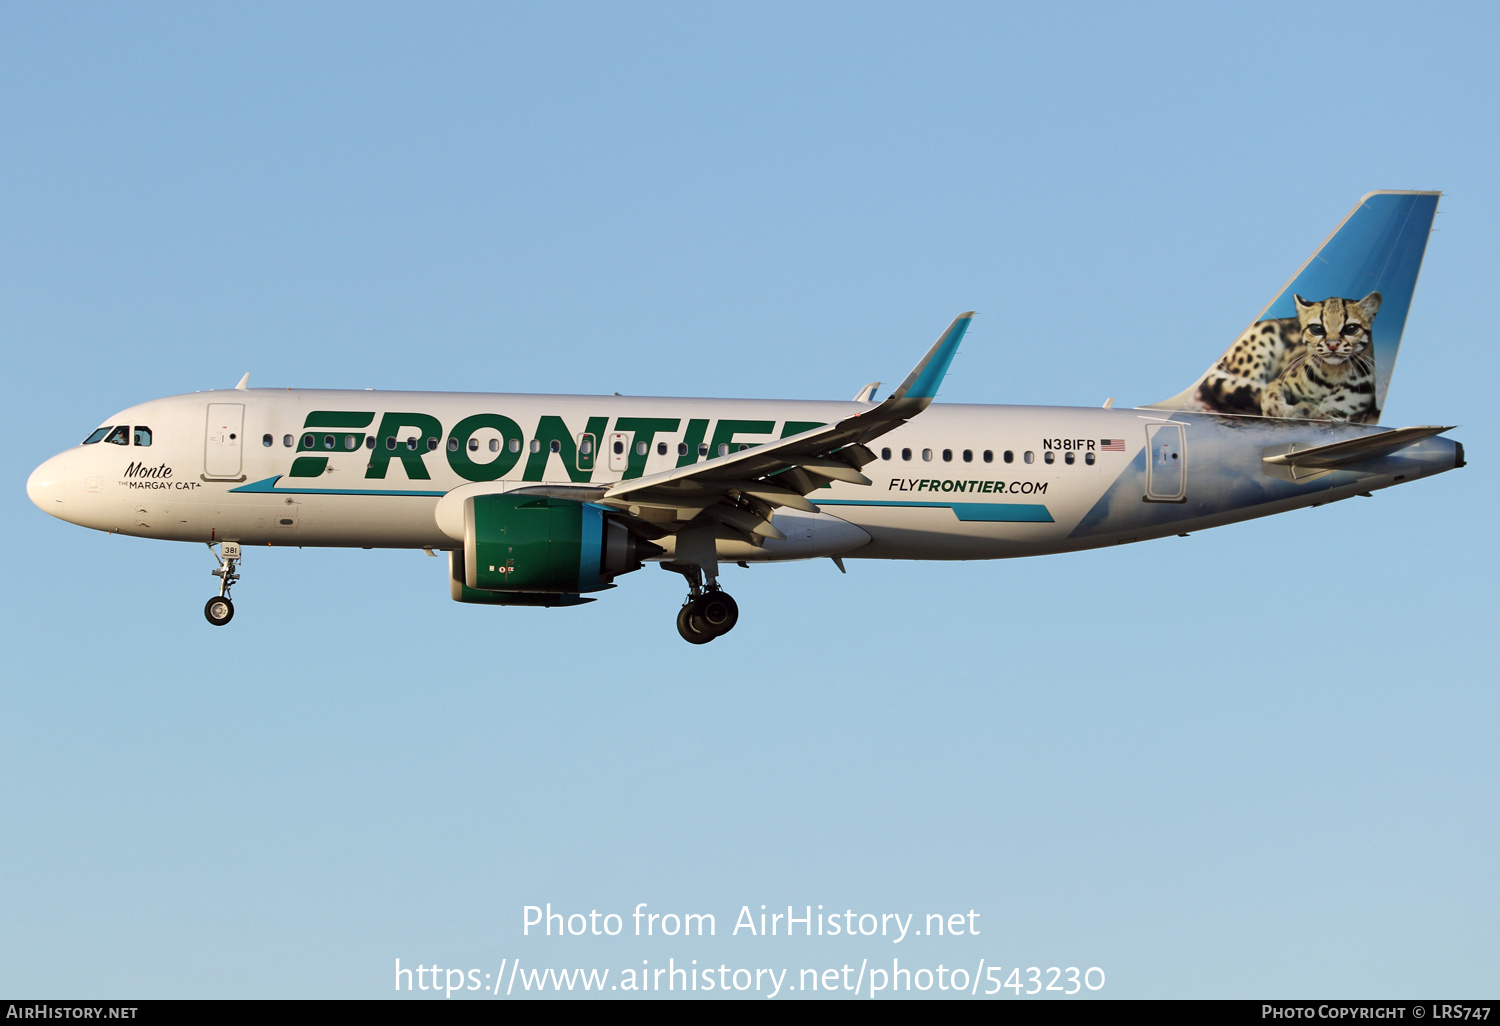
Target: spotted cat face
(1337,330)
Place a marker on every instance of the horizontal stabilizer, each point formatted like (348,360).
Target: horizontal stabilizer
(1356,450)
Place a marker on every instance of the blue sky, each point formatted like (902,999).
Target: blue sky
(780,201)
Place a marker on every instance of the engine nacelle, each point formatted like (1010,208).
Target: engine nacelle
(533,545)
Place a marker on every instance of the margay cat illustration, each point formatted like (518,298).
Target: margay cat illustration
(1316,366)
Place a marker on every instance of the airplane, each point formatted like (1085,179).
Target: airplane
(544,500)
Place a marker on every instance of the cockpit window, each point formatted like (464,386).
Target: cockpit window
(96,436)
(142,435)
(119,435)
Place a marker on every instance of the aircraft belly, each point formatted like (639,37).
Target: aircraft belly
(354,521)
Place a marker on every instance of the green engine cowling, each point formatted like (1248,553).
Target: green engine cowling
(537,550)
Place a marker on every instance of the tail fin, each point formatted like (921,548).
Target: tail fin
(1325,347)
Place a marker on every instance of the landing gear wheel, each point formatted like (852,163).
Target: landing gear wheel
(685,627)
(714,613)
(219,610)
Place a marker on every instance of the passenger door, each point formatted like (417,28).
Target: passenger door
(223,442)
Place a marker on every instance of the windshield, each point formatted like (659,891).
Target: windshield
(91,439)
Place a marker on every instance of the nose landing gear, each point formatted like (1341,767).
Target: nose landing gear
(219,610)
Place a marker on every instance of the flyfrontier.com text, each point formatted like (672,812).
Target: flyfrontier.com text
(543,920)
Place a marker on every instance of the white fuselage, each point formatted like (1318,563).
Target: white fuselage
(370,469)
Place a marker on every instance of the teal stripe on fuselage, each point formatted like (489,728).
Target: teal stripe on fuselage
(268,485)
(987,512)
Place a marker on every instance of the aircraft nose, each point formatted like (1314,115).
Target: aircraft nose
(45,487)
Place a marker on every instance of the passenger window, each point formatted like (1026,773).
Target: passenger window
(619,447)
(351,443)
(411,442)
(927,455)
(1048,456)
(96,436)
(431,444)
(119,435)
(1068,457)
(390,443)
(328,441)
(885,454)
(1010,457)
(585,447)
(968,455)
(474,444)
(536,445)
(453,444)
(641,448)
(947,455)
(723,448)
(702,448)
(286,440)
(369,441)
(495,444)
(906,454)
(554,446)
(989,456)
(515,445)
(267,441)
(661,448)
(1030,456)
(682,448)
(1088,458)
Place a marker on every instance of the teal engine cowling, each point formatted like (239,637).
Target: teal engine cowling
(535,550)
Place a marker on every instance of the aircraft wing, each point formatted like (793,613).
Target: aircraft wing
(742,489)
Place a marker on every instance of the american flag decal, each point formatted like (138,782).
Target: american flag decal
(1112,444)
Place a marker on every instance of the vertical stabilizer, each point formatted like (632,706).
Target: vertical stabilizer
(1325,347)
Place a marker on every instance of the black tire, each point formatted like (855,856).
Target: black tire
(218,611)
(685,627)
(715,613)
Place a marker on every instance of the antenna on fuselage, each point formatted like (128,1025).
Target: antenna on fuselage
(244,385)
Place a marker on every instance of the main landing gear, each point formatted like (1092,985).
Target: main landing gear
(708,612)
(219,610)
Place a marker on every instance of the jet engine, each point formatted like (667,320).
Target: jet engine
(538,550)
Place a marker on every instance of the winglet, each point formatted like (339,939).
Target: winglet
(923,381)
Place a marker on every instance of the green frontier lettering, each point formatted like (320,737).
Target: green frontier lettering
(313,466)
(390,445)
(696,429)
(796,427)
(552,429)
(511,440)
(644,433)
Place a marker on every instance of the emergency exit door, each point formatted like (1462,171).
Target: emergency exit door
(223,442)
